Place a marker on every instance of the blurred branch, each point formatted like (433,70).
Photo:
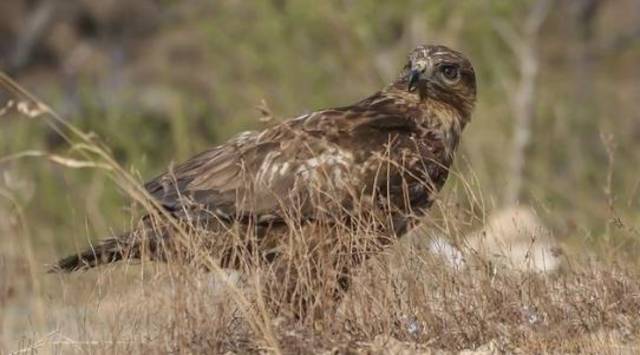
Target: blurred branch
(34,29)
(621,42)
(582,16)
(524,46)
(626,40)
(584,13)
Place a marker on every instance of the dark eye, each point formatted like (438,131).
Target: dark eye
(450,72)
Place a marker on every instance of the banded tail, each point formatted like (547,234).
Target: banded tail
(106,252)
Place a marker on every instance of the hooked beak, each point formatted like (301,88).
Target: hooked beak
(414,77)
(420,70)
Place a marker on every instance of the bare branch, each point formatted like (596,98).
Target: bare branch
(36,26)
(524,47)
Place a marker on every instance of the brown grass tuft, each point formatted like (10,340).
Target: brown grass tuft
(402,299)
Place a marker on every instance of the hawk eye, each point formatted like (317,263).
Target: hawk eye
(450,72)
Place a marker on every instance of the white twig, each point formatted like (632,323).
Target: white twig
(524,47)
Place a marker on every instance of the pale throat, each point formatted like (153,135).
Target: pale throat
(446,121)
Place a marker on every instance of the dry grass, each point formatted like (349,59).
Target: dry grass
(416,302)
(404,299)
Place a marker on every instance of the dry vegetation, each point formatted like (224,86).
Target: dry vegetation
(478,277)
(406,299)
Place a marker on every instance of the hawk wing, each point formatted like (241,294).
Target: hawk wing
(211,178)
(256,173)
(326,154)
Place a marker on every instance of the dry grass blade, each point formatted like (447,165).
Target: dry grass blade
(58,159)
(97,156)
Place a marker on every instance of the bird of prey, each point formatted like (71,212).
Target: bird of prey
(384,157)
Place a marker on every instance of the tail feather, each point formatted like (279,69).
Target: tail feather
(108,251)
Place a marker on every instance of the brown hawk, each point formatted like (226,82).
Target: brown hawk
(380,160)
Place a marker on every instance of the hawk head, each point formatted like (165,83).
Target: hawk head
(442,74)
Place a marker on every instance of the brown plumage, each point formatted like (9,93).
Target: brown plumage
(384,156)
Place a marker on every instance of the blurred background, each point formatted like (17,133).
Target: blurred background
(557,125)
